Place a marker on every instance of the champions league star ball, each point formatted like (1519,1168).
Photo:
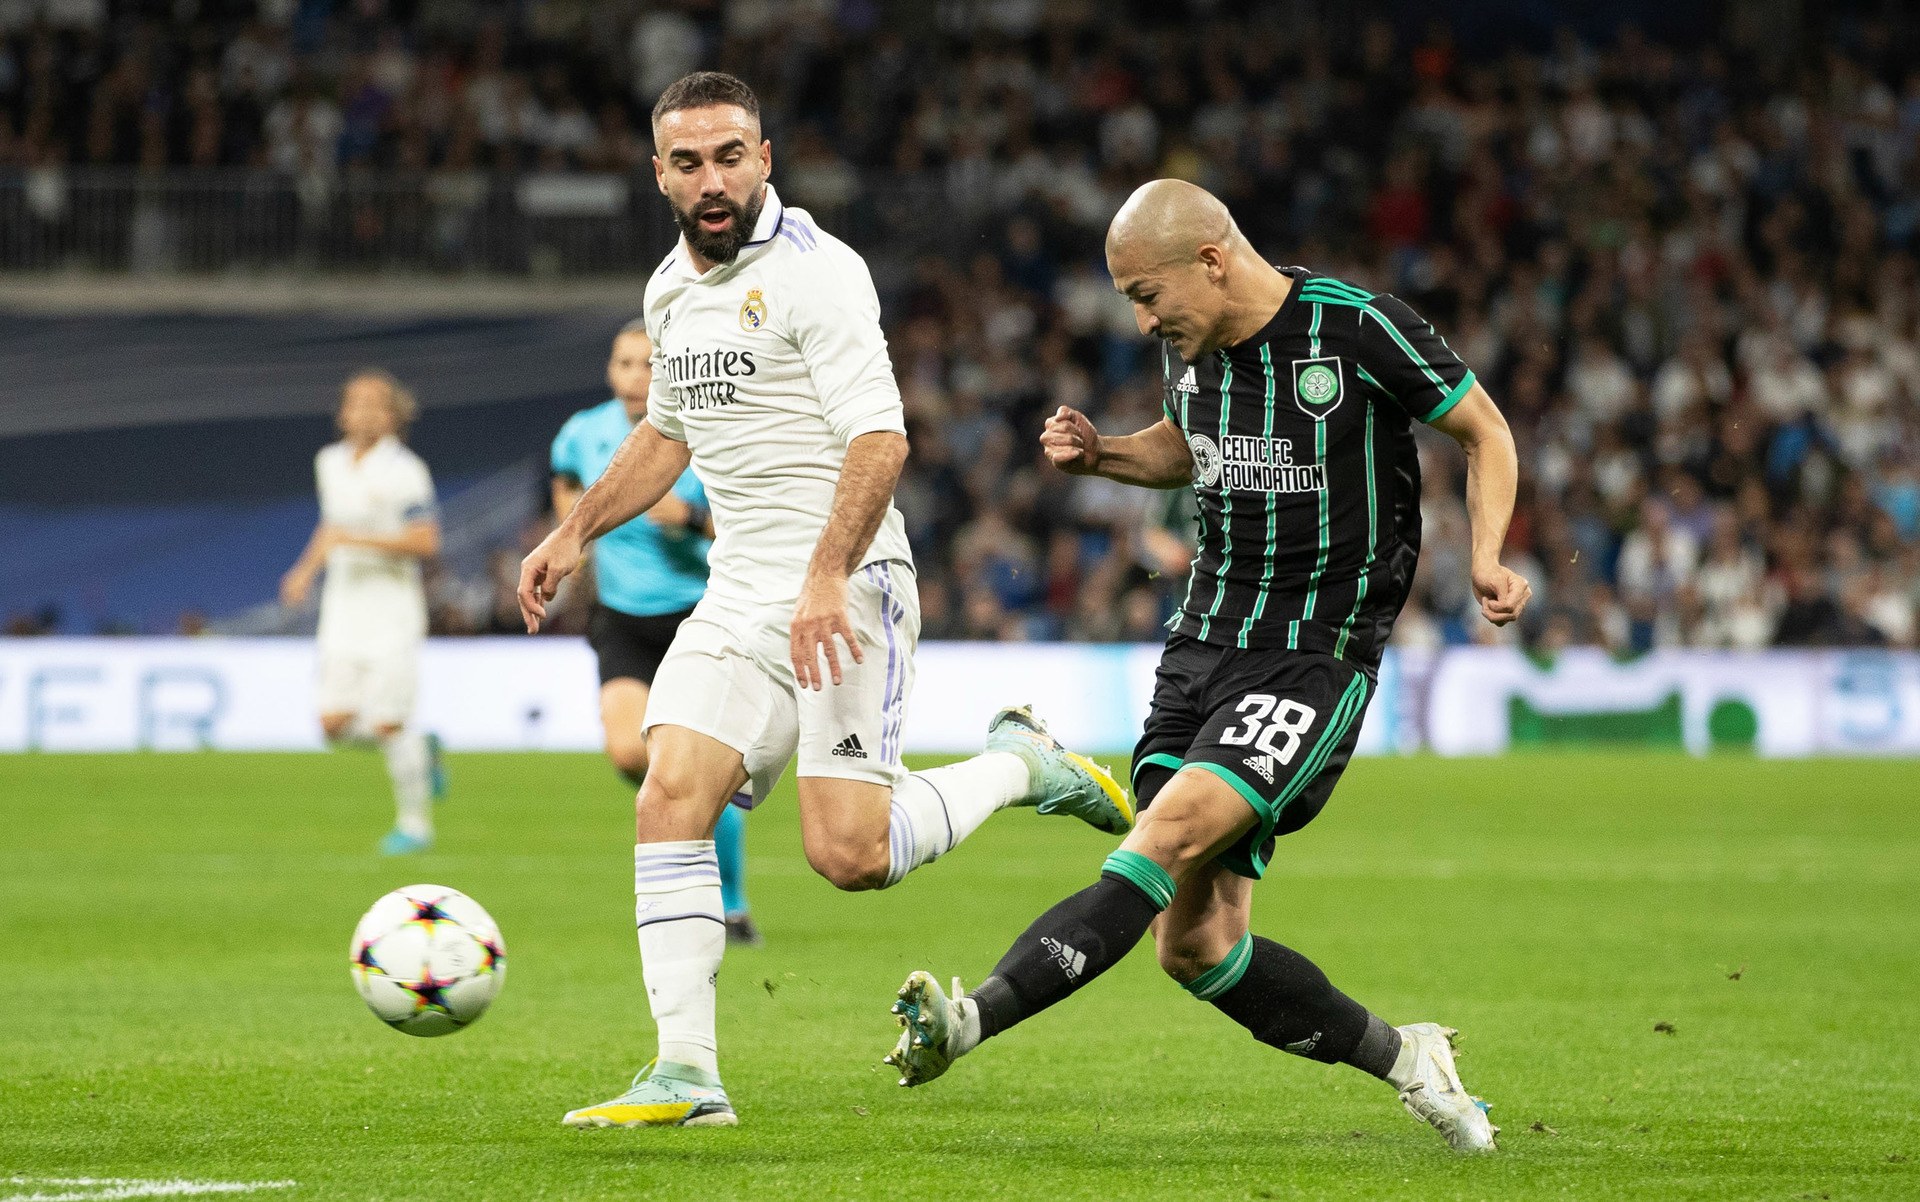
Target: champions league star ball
(427,959)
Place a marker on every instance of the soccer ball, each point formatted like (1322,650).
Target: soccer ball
(427,959)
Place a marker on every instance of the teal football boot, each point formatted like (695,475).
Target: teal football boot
(1061,781)
(662,1095)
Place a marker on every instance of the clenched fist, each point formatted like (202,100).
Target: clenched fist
(1071,443)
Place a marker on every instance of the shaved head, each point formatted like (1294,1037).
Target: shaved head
(1175,252)
(1168,221)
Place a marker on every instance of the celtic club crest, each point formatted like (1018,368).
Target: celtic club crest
(1206,459)
(1317,386)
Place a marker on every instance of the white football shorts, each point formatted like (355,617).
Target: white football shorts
(729,676)
(376,681)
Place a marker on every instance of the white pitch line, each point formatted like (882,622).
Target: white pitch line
(100,1189)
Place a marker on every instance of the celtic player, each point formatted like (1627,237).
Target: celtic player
(1289,410)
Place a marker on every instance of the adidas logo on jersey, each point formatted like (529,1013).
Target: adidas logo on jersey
(1187,383)
(1262,764)
(1072,962)
(850,748)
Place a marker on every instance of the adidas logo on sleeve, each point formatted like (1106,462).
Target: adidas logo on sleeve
(850,748)
(1263,764)
(1071,960)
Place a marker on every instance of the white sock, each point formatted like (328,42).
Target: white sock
(676,907)
(936,809)
(406,751)
(965,1035)
(1401,1074)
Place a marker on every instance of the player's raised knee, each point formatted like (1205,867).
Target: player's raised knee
(335,726)
(851,866)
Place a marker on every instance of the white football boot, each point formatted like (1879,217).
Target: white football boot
(662,1095)
(930,1020)
(1435,1095)
(1063,782)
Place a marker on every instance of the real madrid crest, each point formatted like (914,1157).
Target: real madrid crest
(753,311)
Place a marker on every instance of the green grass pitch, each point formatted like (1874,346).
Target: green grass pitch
(1675,978)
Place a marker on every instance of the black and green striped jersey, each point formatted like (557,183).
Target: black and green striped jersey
(1305,470)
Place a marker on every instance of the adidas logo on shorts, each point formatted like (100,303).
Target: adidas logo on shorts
(1263,764)
(850,747)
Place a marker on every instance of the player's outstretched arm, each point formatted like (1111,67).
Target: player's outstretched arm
(1493,472)
(860,501)
(643,469)
(298,581)
(641,472)
(1156,457)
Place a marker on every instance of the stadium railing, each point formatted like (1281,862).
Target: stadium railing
(119,219)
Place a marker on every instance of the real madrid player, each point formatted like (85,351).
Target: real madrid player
(377,523)
(771,376)
(1289,405)
(647,576)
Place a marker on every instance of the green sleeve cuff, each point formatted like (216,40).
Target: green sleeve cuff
(1451,399)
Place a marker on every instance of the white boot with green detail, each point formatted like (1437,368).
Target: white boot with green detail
(1431,1091)
(935,1030)
(1063,782)
(662,1095)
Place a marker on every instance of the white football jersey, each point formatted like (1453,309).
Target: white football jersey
(372,596)
(767,367)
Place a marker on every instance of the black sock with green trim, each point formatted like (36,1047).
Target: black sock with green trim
(1287,1002)
(1074,942)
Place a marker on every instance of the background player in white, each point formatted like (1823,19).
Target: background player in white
(647,575)
(377,522)
(771,376)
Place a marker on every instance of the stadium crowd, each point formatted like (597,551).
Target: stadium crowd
(1690,275)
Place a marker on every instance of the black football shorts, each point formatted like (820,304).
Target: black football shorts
(1277,725)
(630,645)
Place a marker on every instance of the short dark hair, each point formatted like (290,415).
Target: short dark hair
(703,89)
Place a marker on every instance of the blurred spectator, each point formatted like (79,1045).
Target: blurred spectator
(1690,275)
(29,624)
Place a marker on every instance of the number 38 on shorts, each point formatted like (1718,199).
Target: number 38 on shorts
(1269,717)
(1278,726)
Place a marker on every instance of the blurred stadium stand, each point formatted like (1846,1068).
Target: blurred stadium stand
(1678,241)
(159,466)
